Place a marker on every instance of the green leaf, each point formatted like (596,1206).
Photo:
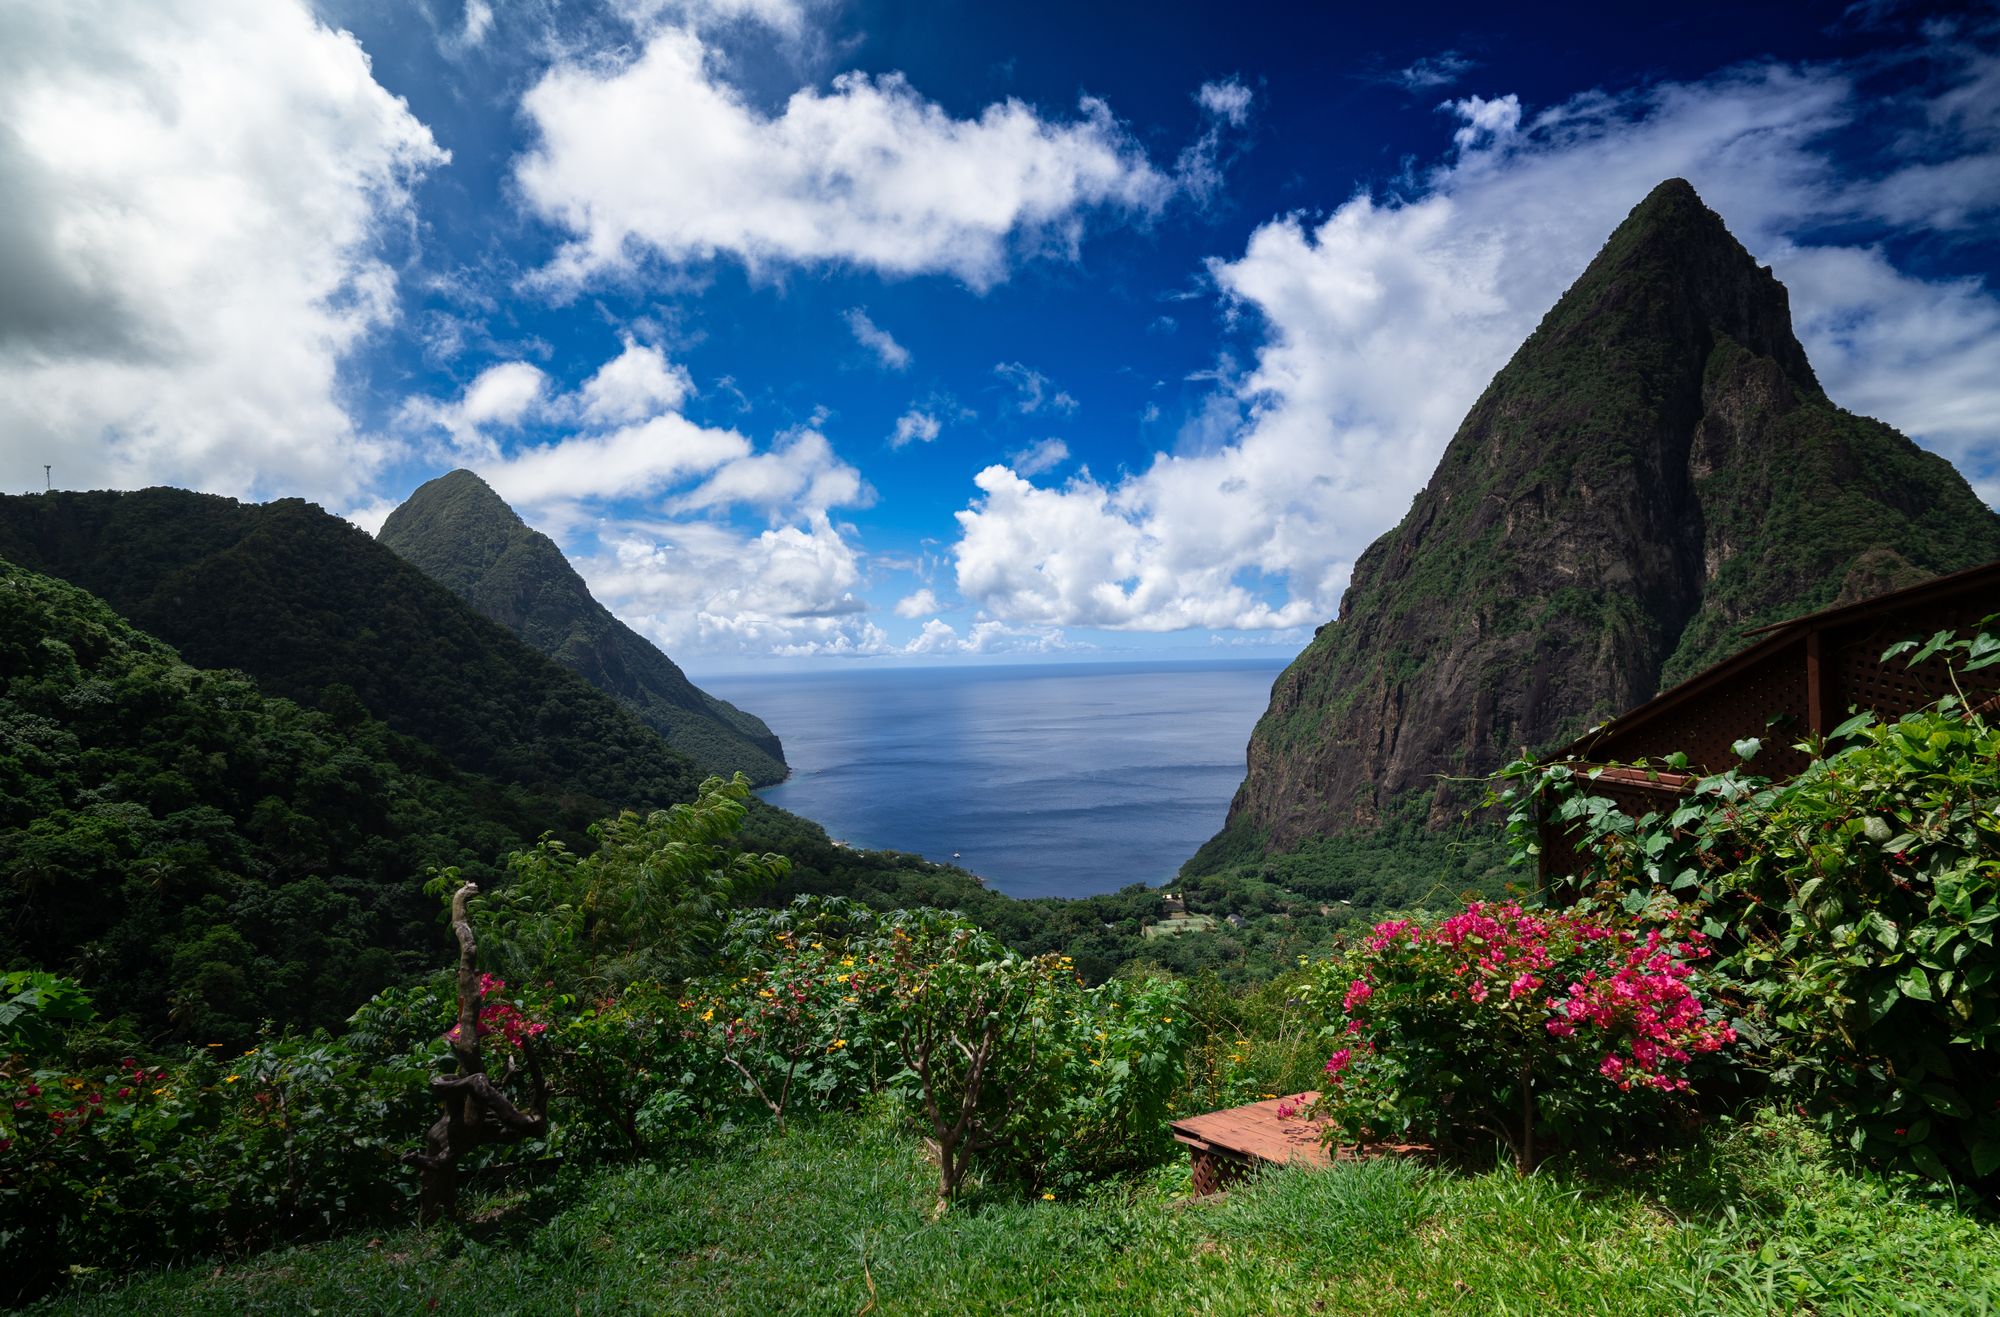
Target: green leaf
(1748,747)
(1946,1100)
(1914,985)
(1866,718)
(1985,1157)
(1882,999)
(1929,1162)
(1900,647)
(1931,646)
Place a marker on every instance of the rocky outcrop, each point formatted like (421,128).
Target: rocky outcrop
(1656,469)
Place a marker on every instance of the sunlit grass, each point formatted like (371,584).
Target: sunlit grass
(829,1217)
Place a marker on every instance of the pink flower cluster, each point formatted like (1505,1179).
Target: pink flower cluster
(1644,1004)
(502,1017)
(1634,993)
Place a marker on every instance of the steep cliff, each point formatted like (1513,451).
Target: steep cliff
(1656,469)
(464,536)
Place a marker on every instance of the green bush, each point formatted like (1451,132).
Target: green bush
(1857,905)
(1581,1026)
(833,1000)
(147,1161)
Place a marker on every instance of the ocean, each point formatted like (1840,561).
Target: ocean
(1044,780)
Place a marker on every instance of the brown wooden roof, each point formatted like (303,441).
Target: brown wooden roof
(1803,674)
(1798,680)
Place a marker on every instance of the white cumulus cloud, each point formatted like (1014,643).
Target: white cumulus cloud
(789,590)
(501,396)
(915,427)
(1484,119)
(638,382)
(196,197)
(1228,100)
(891,354)
(1381,323)
(659,155)
(917,604)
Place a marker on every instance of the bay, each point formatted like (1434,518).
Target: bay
(1046,780)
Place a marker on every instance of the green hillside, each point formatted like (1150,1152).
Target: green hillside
(316,610)
(206,856)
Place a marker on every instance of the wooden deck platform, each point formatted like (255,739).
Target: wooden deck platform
(1225,1145)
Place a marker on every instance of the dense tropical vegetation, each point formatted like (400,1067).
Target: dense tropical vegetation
(229,1022)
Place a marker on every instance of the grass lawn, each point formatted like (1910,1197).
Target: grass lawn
(832,1218)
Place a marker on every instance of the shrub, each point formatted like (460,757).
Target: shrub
(150,1160)
(1856,907)
(649,903)
(1514,1024)
(1011,1061)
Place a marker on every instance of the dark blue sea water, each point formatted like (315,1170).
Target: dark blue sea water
(1047,781)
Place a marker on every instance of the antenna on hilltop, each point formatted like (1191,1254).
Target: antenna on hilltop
(48,482)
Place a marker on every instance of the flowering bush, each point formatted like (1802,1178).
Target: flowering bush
(1857,908)
(833,1001)
(1517,1024)
(146,1160)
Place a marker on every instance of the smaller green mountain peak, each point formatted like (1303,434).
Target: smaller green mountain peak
(459,532)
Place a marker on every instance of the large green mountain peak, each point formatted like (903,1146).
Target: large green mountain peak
(1655,470)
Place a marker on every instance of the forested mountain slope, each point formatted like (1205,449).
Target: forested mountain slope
(464,536)
(1655,470)
(472,746)
(203,855)
(316,611)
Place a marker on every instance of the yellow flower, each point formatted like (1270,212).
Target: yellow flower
(230,1079)
(1048,1198)
(251,1052)
(1166,1019)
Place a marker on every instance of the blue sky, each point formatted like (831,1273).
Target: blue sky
(933,332)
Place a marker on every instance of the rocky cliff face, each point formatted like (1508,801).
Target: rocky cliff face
(1655,470)
(464,536)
